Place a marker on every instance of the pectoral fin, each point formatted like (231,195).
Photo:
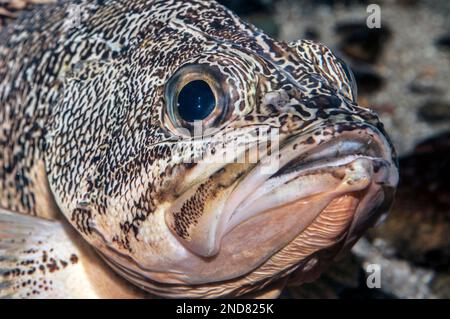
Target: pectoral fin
(43,259)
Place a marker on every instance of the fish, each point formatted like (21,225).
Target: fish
(166,148)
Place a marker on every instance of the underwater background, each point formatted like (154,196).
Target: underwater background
(403,72)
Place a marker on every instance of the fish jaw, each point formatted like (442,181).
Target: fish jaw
(253,241)
(284,224)
(259,193)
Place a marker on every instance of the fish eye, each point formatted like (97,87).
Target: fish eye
(196,101)
(196,93)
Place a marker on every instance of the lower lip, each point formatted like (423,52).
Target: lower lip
(295,230)
(254,241)
(294,187)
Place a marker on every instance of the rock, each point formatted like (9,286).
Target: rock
(257,12)
(398,277)
(414,242)
(435,111)
(407,3)
(264,22)
(444,42)
(342,276)
(440,284)
(367,79)
(361,43)
(332,3)
(423,89)
(248,7)
(385,108)
(418,227)
(311,33)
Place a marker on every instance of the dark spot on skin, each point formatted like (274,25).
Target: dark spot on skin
(310,140)
(337,174)
(42,268)
(376,168)
(52,266)
(44,257)
(190,165)
(27,262)
(73,259)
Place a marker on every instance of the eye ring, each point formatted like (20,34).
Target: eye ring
(185,82)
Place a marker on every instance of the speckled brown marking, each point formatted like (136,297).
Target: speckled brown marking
(192,209)
(74,259)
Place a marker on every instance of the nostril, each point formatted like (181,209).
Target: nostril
(276,99)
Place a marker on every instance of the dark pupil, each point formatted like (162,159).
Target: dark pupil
(196,101)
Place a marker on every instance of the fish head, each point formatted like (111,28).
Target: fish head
(210,160)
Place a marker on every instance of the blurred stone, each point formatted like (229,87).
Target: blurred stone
(367,79)
(256,12)
(341,276)
(311,33)
(435,111)
(418,227)
(362,43)
(440,285)
(332,3)
(385,108)
(264,22)
(444,42)
(322,288)
(398,277)
(407,3)
(248,7)
(424,88)
(425,82)
(363,292)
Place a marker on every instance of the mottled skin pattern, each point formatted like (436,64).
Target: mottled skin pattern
(84,124)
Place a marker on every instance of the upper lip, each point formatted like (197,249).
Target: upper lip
(327,156)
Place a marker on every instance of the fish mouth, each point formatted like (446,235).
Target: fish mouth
(261,214)
(265,227)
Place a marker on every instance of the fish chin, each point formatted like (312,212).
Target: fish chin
(264,224)
(287,224)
